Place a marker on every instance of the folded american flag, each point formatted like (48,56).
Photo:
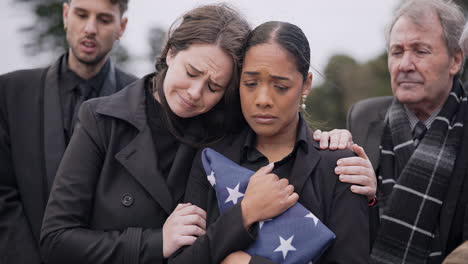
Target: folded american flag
(296,236)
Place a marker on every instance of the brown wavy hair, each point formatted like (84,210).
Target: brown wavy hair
(217,24)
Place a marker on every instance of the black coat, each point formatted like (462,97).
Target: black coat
(319,189)
(109,201)
(31,146)
(366,123)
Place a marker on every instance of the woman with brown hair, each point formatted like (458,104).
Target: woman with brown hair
(116,195)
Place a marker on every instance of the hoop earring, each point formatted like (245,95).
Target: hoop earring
(303,100)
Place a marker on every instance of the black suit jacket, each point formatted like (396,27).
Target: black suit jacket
(319,189)
(109,201)
(366,121)
(31,146)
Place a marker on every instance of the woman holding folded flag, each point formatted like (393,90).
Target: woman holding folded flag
(289,164)
(118,190)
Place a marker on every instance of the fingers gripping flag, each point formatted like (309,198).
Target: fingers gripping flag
(296,236)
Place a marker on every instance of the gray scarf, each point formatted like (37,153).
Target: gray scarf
(414,182)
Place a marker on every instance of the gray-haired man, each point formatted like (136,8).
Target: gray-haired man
(417,139)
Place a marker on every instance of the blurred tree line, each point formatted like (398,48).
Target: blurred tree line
(346,80)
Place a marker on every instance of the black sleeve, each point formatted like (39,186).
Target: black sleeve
(349,219)
(66,235)
(260,260)
(225,234)
(16,236)
(374,220)
(349,119)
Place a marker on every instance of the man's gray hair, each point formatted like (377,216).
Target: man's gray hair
(450,15)
(464,40)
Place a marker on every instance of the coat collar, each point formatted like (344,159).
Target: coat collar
(139,157)
(128,104)
(54,138)
(374,136)
(306,159)
(305,162)
(105,77)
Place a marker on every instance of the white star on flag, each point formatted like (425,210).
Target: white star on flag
(234,194)
(285,246)
(311,215)
(262,222)
(211,178)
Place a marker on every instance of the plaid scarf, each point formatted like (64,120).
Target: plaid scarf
(413,182)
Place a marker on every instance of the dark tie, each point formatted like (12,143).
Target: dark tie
(418,132)
(83,93)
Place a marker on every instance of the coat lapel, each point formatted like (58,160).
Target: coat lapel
(374,137)
(304,164)
(54,138)
(110,83)
(372,145)
(139,158)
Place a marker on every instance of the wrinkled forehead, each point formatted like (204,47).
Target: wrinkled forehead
(421,28)
(424,19)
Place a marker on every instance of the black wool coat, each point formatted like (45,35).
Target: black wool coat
(109,201)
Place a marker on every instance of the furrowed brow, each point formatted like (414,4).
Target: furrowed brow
(251,73)
(280,78)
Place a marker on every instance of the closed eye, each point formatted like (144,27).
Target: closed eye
(282,88)
(191,75)
(250,83)
(82,15)
(422,52)
(211,88)
(105,20)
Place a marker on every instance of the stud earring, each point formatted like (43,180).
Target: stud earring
(303,105)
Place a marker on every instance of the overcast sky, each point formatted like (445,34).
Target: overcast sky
(354,28)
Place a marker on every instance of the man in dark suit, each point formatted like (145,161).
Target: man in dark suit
(417,139)
(38,109)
